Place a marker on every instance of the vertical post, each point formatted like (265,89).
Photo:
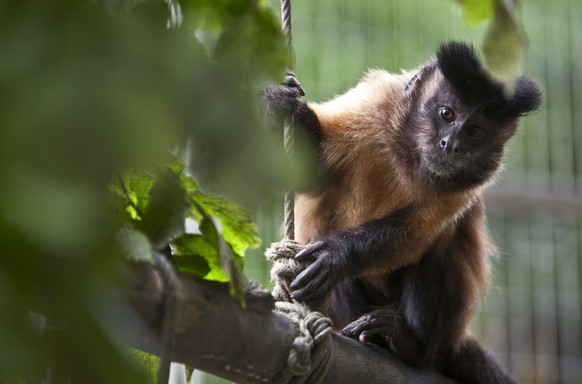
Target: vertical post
(288,131)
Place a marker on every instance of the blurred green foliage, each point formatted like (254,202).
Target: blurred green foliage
(505,42)
(90,89)
(477,11)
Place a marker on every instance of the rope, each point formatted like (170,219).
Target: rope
(289,127)
(286,21)
(284,268)
(310,355)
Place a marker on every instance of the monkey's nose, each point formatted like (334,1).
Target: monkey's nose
(449,144)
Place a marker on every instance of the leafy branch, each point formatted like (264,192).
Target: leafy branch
(165,210)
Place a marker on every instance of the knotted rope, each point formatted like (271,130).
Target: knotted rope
(309,358)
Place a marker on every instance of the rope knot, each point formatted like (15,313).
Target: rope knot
(285,268)
(309,357)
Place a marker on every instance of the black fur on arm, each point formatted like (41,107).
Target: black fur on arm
(374,245)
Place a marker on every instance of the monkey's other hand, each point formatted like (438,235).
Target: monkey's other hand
(313,286)
(375,327)
(282,100)
(387,328)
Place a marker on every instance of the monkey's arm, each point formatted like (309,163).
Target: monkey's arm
(376,247)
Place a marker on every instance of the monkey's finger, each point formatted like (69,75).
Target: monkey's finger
(310,251)
(315,293)
(371,336)
(291,81)
(356,327)
(307,277)
(351,330)
(312,288)
(377,322)
(311,297)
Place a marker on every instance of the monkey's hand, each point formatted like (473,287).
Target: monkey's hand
(376,327)
(313,286)
(387,328)
(283,100)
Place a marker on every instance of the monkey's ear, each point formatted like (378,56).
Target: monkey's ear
(414,85)
(527,97)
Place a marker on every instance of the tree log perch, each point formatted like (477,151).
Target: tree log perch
(213,333)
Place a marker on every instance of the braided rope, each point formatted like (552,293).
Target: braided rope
(286,20)
(289,127)
(284,268)
(310,355)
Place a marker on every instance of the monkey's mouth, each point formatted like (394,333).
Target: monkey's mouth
(445,166)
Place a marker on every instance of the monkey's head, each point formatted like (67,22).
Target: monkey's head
(460,118)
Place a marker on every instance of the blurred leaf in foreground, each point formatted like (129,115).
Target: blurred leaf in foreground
(505,44)
(89,89)
(477,11)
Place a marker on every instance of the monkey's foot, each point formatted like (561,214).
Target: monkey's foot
(374,327)
(388,329)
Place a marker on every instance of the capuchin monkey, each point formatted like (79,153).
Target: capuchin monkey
(396,231)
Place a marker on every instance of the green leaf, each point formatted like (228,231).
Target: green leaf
(232,265)
(176,165)
(505,44)
(209,256)
(188,249)
(135,187)
(148,362)
(237,228)
(212,237)
(191,254)
(135,245)
(165,215)
(477,11)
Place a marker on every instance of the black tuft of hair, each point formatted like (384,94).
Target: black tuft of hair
(463,69)
(527,96)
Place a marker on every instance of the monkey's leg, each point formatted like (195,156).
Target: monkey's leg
(474,364)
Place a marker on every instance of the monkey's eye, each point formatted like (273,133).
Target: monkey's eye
(475,131)
(447,114)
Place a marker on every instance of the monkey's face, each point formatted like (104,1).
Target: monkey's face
(459,143)
(460,118)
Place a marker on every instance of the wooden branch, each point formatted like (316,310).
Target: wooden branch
(211,332)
